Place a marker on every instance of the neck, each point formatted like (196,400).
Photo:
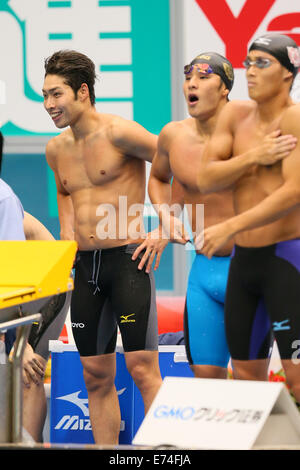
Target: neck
(85,123)
(206,124)
(273,107)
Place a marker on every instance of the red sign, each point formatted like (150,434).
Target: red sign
(236,32)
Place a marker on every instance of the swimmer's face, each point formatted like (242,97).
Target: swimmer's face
(203,92)
(60,101)
(264,81)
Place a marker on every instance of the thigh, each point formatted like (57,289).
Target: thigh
(133,300)
(283,301)
(204,329)
(205,337)
(248,327)
(49,328)
(93,323)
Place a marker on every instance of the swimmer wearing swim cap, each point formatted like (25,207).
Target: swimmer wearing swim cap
(263,288)
(212,62)
(280,46)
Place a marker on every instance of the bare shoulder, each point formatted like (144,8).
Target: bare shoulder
(55,145)
(59,141)
(120,128)
(290,120)
(232,114)
(169,131)
(239,107)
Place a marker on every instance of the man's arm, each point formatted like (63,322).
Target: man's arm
(133,139)
(275,206)
(161,194)
(217,170)
(34,229)
(64,202)
(157,240)
(160,191)
(159,187)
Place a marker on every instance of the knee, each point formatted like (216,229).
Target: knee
(250,370)
(138,372)
(96,381)
(209,372)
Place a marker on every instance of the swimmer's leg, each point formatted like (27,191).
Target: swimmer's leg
(34,398)
(35,361)
(99,375)
(248,329)
(205,338)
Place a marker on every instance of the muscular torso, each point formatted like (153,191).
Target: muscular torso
(107,188)
(184,161)
(258,183)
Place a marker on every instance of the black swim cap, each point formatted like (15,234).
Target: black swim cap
(219,65)
(280,46)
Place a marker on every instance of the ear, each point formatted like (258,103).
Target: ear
(83,92)
(225,92)
(287,74)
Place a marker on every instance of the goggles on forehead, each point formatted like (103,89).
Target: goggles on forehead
(260,62)
(201,68)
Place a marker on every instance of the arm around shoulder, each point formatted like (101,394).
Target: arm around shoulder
(217,170)
(133,139)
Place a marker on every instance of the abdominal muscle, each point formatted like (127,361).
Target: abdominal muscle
(100,225)
(285,228)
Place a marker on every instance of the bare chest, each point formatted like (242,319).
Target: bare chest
(261,177)
(89,164)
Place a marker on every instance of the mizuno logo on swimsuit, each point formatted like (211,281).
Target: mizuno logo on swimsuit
(125,318)
(280,325)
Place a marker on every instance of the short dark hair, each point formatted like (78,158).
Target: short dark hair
(1,149)
(75,67)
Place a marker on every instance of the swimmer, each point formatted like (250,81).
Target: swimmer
(263,292)
(208,81)
(99,167)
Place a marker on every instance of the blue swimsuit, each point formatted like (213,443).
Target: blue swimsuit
(204,328)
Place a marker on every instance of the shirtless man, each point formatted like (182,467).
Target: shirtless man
(208,81)
(99,167)
(264,274)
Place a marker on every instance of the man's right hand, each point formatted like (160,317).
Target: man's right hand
(274,148)
(174,229)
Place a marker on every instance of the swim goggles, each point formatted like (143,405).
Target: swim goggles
(260,62)
(201,68)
